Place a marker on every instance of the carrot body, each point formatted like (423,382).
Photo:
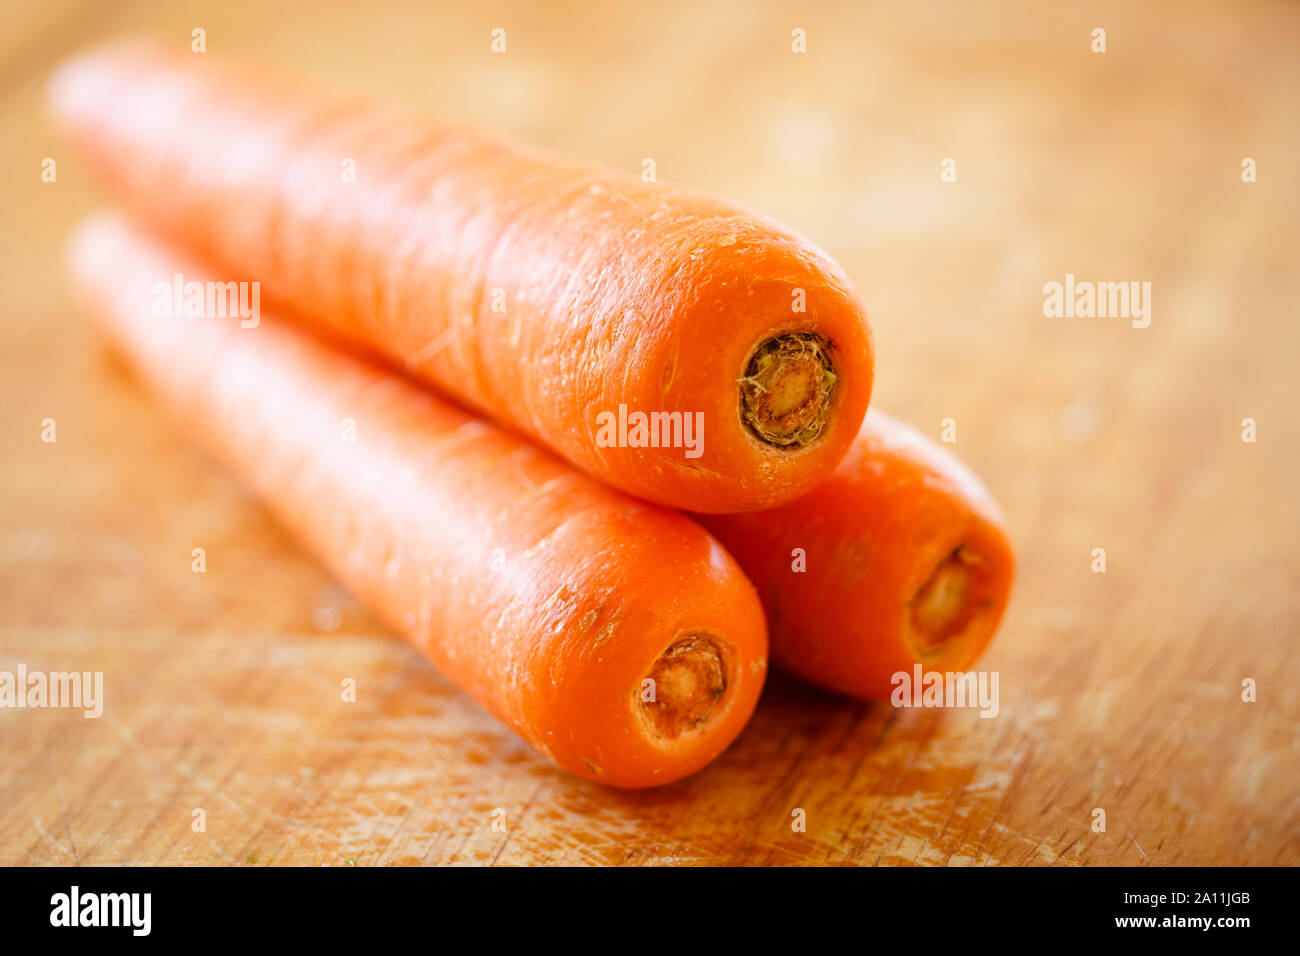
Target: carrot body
(562,300)
(904,559)
(547,596)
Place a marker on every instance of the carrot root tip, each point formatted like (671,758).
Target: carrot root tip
(785,394)
(689,679)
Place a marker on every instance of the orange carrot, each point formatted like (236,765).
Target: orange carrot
(901,557)
(670,344)
(617,637)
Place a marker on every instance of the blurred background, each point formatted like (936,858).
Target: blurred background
(1119,690)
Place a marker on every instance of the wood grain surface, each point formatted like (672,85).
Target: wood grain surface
(1119,690)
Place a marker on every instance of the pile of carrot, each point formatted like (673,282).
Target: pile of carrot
(490,385)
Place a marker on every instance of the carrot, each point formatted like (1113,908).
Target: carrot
(670,344)
(901,557)
(553,600)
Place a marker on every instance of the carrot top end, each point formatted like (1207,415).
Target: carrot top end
(689,680)
(785,393)
(950,611)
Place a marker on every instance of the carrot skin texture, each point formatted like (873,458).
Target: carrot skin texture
(540,592)
(898,507)
(538,291)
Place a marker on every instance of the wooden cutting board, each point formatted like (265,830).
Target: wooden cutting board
(1120,691)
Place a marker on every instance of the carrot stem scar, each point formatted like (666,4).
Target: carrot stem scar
(690,678)
(785,394)
(949,600)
